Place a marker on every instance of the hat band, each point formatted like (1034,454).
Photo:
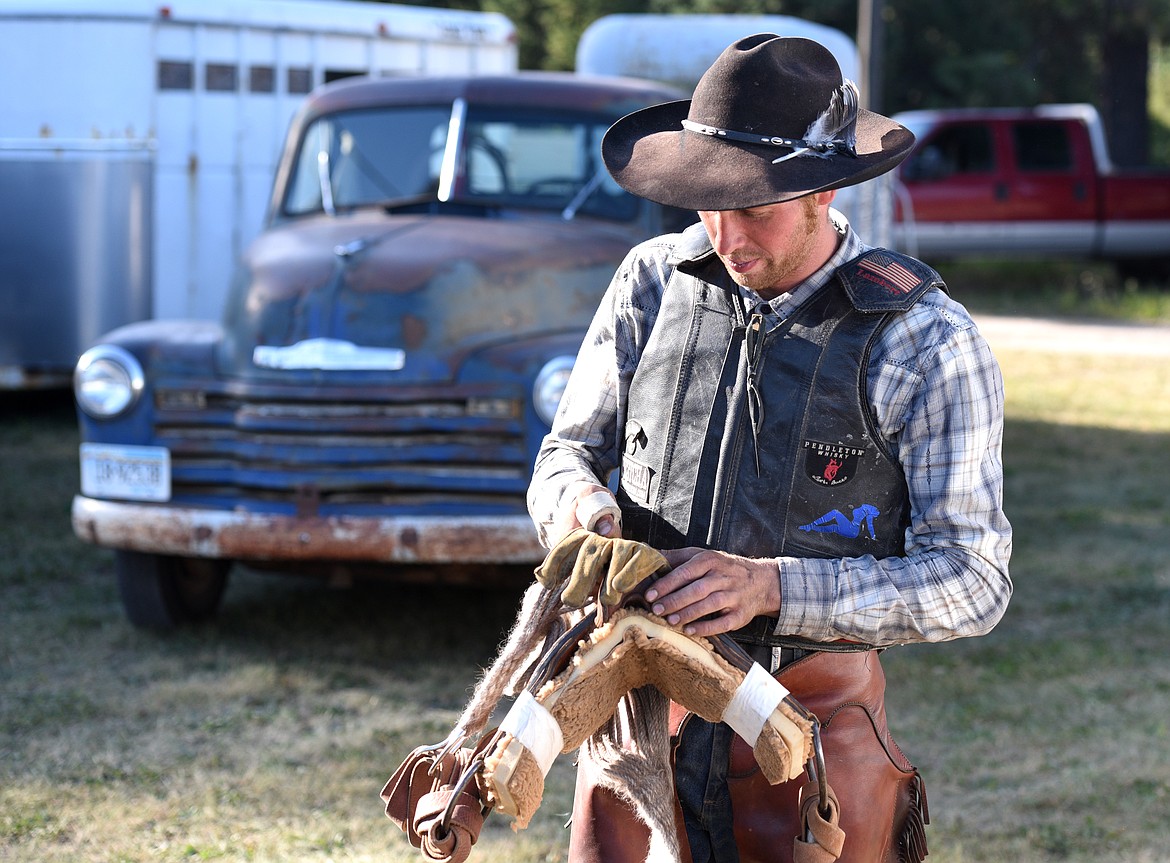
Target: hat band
(799,146)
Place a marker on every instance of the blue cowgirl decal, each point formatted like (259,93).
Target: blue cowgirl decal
(835,521)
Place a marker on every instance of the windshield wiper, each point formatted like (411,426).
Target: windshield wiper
(583,195)
(323,179)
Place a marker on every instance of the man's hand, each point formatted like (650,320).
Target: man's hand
(592,507)
(725,589)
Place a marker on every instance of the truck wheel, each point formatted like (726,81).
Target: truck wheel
(160,592)
(1146,271)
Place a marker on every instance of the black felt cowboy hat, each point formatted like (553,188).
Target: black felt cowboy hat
(771,120)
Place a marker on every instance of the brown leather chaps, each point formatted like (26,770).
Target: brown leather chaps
(882,798)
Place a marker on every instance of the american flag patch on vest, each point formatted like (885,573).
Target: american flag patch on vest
(889,271)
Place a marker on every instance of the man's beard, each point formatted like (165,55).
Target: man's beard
(779,271)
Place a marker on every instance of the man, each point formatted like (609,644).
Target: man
(809,429)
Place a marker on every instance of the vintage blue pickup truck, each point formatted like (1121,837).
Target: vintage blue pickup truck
(391,353)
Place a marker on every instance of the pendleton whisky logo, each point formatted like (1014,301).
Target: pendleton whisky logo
(831,464)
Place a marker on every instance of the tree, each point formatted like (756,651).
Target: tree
(1124,93)
(962,53)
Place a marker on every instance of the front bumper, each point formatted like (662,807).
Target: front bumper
(190,532)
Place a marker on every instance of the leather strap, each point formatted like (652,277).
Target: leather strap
(414,779)
(450,844)
(431,801)
(823,838)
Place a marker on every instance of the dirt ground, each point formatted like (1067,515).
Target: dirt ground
(1090,337)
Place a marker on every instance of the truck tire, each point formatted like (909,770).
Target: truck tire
(160,592)
(1146,271)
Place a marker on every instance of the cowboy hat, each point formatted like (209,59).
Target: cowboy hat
(771,120)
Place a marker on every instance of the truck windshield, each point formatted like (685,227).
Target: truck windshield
(359,158)
(541,160)
(509,158)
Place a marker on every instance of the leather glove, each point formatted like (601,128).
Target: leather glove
(588,563)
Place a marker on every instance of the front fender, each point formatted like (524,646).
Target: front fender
(522,362)
(166,350)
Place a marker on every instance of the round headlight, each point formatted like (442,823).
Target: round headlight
(550,386)
(107,381)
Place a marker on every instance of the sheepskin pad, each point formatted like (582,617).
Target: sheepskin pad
(635,648)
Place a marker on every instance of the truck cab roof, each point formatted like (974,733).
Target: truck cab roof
(615,96)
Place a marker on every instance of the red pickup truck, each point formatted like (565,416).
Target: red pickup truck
(1030,182)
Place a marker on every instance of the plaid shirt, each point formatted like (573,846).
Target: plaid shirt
(937,397)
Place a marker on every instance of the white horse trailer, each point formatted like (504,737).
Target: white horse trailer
(678,49)
(138,140)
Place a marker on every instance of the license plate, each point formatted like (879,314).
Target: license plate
(126,472)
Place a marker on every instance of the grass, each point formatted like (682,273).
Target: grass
(1050,737)
(266,735)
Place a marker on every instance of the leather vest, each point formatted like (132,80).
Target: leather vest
(761,441)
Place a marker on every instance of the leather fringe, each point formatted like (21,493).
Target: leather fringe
(913,843)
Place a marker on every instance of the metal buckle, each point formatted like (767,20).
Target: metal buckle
(822,777)
(458,788)
(815,769)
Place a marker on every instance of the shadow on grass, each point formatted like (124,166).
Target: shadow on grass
(375,623)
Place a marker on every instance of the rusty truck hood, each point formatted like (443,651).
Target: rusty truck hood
(371,291)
